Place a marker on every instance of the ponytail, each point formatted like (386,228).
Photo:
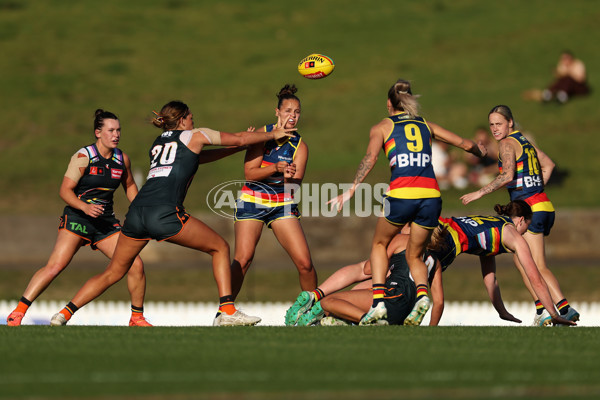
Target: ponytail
(438,238)
(401,97)
(170,114)
(516,208)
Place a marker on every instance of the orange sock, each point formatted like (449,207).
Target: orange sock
(69,310)
(137,312)
(226,305)
(66,313)
(23,306)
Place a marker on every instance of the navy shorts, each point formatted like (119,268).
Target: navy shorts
(159,222)
(245,210)
(541,222)
(399,299)
(423,212)
(91,230)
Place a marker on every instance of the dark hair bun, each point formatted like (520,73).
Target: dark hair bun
(287,90)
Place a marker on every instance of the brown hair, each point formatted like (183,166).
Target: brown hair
(286,93)
(402,99)
(170,114)
(438,238)
(516,208)
(100,115)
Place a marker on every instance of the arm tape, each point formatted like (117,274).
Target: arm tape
(73,170)
(214,137)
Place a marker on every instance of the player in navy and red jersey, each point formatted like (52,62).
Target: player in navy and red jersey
(525,170)
(413,197)
(273,170)
(93,175)
(482,235)
(158,212)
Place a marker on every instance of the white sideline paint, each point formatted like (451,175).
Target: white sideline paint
(116,313)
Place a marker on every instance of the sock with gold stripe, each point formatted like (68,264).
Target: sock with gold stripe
(378,293)
(563,306)
(318,294)
(422,291)
(539,308)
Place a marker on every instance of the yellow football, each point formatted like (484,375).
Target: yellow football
(316,66)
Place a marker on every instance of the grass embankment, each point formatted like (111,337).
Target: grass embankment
(227,61)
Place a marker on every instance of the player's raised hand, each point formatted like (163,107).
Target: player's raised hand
(482,149)
(280,131)
(338,202)
(469,197)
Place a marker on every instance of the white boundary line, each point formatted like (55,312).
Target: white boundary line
(201,314)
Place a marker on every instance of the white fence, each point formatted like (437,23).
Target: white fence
(272,314)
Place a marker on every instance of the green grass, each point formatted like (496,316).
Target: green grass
(320,363)
(62,60)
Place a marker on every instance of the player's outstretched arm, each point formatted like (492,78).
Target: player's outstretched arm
(488,271)
(366,165)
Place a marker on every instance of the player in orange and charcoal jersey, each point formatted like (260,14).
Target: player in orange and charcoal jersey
(272,171)
(158,212)
(524,170)
(414,196)
(93,175)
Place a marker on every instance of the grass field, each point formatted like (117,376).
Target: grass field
(228,59)
(62,60)
(294,363)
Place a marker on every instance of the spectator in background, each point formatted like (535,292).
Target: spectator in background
(570,80)
(483,170)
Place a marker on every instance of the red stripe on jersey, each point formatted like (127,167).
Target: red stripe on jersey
(414,181)
(278,197)
(462,237)
(537,198)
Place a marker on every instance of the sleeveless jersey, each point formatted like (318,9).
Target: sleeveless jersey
(527,183)
(408,149)
(477,234)
(172,168)
(101,178)
(399,266)
(271,190)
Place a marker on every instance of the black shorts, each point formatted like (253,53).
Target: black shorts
(399,299)
(159,222)
(91,230)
